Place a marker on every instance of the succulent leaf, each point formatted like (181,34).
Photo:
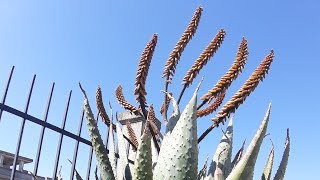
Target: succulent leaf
(284,162)
(78,177)
(174,116)
(97,143)
(203,171)
(124,168)
(221,162)
(180,160)
(112,156)
(244,169)
(268,167)
(154,154)
(238,156)
(34,176)
(96,173)
(142,169)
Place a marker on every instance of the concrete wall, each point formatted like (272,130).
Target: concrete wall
(5,174)
(137,123)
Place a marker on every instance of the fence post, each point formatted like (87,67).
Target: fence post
(16,156)
(6,91)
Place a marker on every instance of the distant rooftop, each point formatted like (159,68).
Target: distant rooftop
(6,159)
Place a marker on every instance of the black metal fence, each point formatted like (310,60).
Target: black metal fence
(45,125)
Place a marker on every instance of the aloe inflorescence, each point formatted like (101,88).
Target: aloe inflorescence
(202,60)
(132,135)
(212,107)
(178,156)
(100,107)
(246,89)
(226,80)
(122,101)
(172,62)
(142,73)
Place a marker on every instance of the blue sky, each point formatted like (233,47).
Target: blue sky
(100,43)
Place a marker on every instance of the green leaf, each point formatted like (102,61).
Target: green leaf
(284,161)
(203,171)
(174,116)
(244,169)
(221,162)
(268,167)
(124,168)
(97,143)
(78,177)
(112,155)
(179,159)
(238,156)
(142,169)
(34,176)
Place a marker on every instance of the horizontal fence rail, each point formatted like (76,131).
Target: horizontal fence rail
(45,125)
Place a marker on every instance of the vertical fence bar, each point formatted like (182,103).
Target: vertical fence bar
(61,138)
(16,156)
(36,163)
(90,156)
(6,91)
(76,147)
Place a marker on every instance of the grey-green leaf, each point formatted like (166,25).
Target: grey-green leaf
(78,177)
(221,162)
(124,167)
(244,169)
(112,155)
(142,169)
(203,171)
(174,117)
(238,156)
(97,143)
(34,176)
(180,157)
(268,167)
(284,162)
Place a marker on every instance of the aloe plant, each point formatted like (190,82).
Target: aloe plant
(176,155)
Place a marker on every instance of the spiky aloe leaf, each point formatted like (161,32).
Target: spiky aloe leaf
(284,162)
(34,176)
(96,173)
(174,116)
(59,177)
(180,160)
(244,169)
(112,156)
(154,154)
(124,168)
(238,156)
(78,177)
(96,140)
(142,169)
(268,167)
(164,145)
(221,162)
(169,127)
(203,171)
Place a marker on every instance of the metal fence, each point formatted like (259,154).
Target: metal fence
(44,125)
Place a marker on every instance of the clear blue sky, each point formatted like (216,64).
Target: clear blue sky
(101,43)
